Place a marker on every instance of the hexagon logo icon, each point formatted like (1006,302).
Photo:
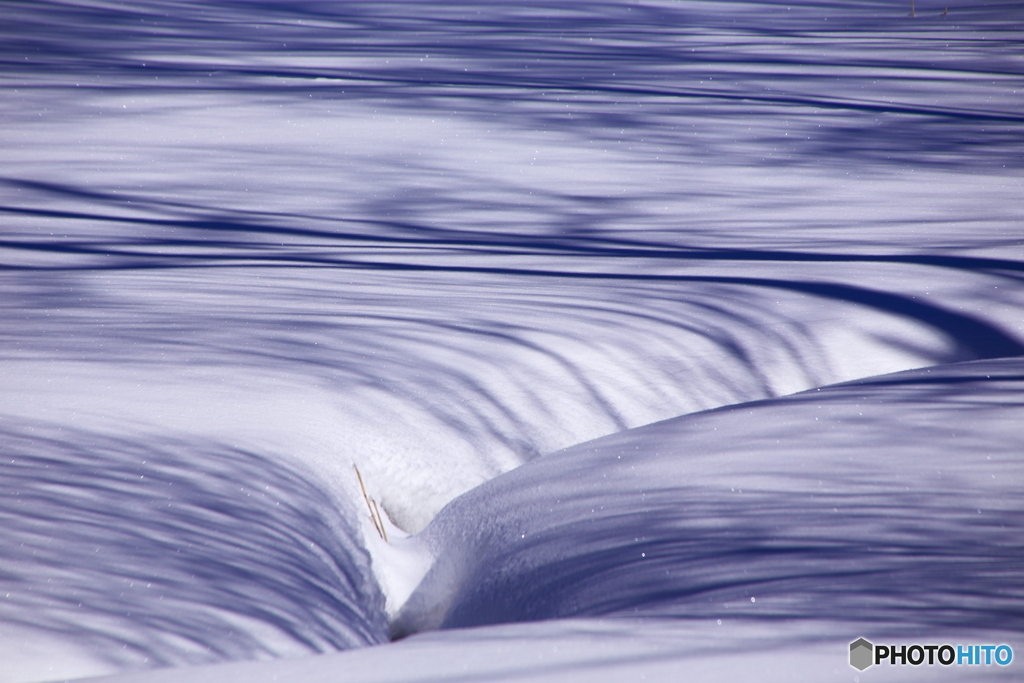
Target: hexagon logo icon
(861,652)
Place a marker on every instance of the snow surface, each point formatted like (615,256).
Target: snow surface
(248,245)
(758,539)
(892,500)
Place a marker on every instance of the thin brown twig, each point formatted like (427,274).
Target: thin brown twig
(380,521)
(373,516)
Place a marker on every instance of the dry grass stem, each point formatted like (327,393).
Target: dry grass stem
(371,505)
(380,522)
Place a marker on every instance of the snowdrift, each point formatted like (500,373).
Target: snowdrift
(245,246)
(888,501)
(762,537)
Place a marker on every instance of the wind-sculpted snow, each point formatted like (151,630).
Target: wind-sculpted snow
(755,540)
(480,265)
(441,240)
(149,552)
(892,501)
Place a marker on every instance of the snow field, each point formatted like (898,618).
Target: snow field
(245,247)
(762,537)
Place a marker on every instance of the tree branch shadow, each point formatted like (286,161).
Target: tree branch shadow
(157,552)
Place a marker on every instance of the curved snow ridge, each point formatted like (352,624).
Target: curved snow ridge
(894,499)
(131,553)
